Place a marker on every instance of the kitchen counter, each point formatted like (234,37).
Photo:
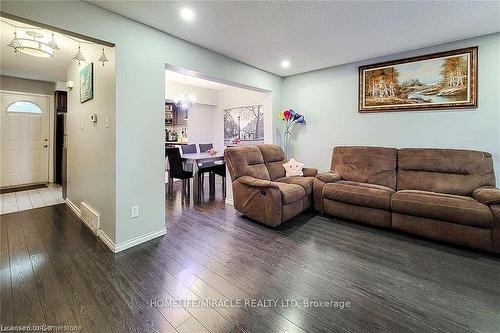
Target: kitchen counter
(175,143)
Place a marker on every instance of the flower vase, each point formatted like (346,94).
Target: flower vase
(286,142)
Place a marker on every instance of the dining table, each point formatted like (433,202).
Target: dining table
(196,162)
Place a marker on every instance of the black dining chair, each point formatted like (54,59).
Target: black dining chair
(204,147)
(188,149)
(214,168)
(176,170)
(220,170)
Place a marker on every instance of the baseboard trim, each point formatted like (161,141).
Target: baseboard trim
(74,208)
(229,201)
(106,240)
(78,212)
(118,247)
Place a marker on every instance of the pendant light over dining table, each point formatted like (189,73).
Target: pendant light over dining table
(184,100)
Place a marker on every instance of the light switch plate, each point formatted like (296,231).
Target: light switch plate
(135,211)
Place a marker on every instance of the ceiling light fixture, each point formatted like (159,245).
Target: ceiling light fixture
(38,48)
(33,46)
(79,56)
(14,43)
(187,14)
(103,57)
(184,101)
(285,63)
(53,43)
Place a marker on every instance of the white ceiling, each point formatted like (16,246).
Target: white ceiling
(314,35)
(193,81)
(45,69)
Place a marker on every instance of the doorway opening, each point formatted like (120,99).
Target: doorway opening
(203,116)
(35,83)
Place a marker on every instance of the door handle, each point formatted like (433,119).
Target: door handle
(45,146)
(45,139)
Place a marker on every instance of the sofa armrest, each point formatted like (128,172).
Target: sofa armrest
(328,177)
(495,231)
(310,172)
(487,195)
(319,182)
(255,182)
(258,199)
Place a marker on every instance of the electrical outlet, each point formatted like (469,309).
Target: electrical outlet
(135,211)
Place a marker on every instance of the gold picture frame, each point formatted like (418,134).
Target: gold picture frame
(444,80)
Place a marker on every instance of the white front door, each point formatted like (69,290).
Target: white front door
(24,139)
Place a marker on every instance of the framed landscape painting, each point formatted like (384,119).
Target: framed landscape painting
(445,80)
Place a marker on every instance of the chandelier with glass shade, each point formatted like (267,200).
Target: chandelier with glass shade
(33,43)
(184,100)
(33,46)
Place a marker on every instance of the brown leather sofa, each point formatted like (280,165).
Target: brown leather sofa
(443,194)
(260,189)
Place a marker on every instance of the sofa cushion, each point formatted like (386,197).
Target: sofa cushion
(290,192)
(373,165)
(445,207)
(361,194)
(451,171)
(246,161)
(273,157)
(305,182)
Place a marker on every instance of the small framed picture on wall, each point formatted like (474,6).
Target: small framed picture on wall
(87,83)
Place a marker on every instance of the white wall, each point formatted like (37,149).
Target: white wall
(141,55)
(203,95)
(234,97)
(201,124)
(328,100)
(200,116)
(10,83)
(91,149)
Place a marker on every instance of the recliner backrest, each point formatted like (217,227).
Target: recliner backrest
(246,161)
(451,171)
(274,158)
(374,165)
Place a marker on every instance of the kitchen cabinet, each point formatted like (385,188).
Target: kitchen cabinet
(176,117)
(175,123)
(180,116)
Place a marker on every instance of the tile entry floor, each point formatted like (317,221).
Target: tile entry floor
(23,200)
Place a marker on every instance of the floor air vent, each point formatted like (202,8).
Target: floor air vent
(90,217)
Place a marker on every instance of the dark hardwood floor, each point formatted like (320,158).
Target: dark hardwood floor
(56,272)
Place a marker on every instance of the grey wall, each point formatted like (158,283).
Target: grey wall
(328,99)
(28,86)
(91,146)
(141,54)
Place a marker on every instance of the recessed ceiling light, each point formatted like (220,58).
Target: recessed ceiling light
(187,14)
(285,64)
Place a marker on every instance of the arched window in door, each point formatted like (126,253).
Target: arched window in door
(24,107)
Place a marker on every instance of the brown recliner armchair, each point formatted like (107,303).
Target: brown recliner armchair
(261,190)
